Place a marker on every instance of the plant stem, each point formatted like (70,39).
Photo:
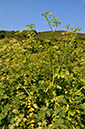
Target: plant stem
(49,25)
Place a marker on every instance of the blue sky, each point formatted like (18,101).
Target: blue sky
(16,14)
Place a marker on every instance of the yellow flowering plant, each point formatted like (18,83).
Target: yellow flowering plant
(42,83)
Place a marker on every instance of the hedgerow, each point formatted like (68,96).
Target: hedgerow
(42,84)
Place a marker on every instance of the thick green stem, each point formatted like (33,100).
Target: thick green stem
(79,90)
(24,89)
(49,25)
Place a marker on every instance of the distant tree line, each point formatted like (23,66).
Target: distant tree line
(11,34)
(6,34)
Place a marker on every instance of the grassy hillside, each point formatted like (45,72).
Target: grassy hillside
(47,34)
(40,35)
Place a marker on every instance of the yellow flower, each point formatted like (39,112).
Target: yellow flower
(77,111)
(67,107)
(67,86)
(50,14)
(50,125)
(56,18)
(66,92)
(70,100)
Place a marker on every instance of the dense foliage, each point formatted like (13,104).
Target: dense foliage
(42,82)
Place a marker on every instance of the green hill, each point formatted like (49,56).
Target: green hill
(40,35)
(47,34)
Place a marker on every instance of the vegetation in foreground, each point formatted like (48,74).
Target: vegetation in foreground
(42,81)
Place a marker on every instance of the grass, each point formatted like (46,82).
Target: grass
(47,34)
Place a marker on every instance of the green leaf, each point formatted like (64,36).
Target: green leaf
(68,124)
(62,113)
